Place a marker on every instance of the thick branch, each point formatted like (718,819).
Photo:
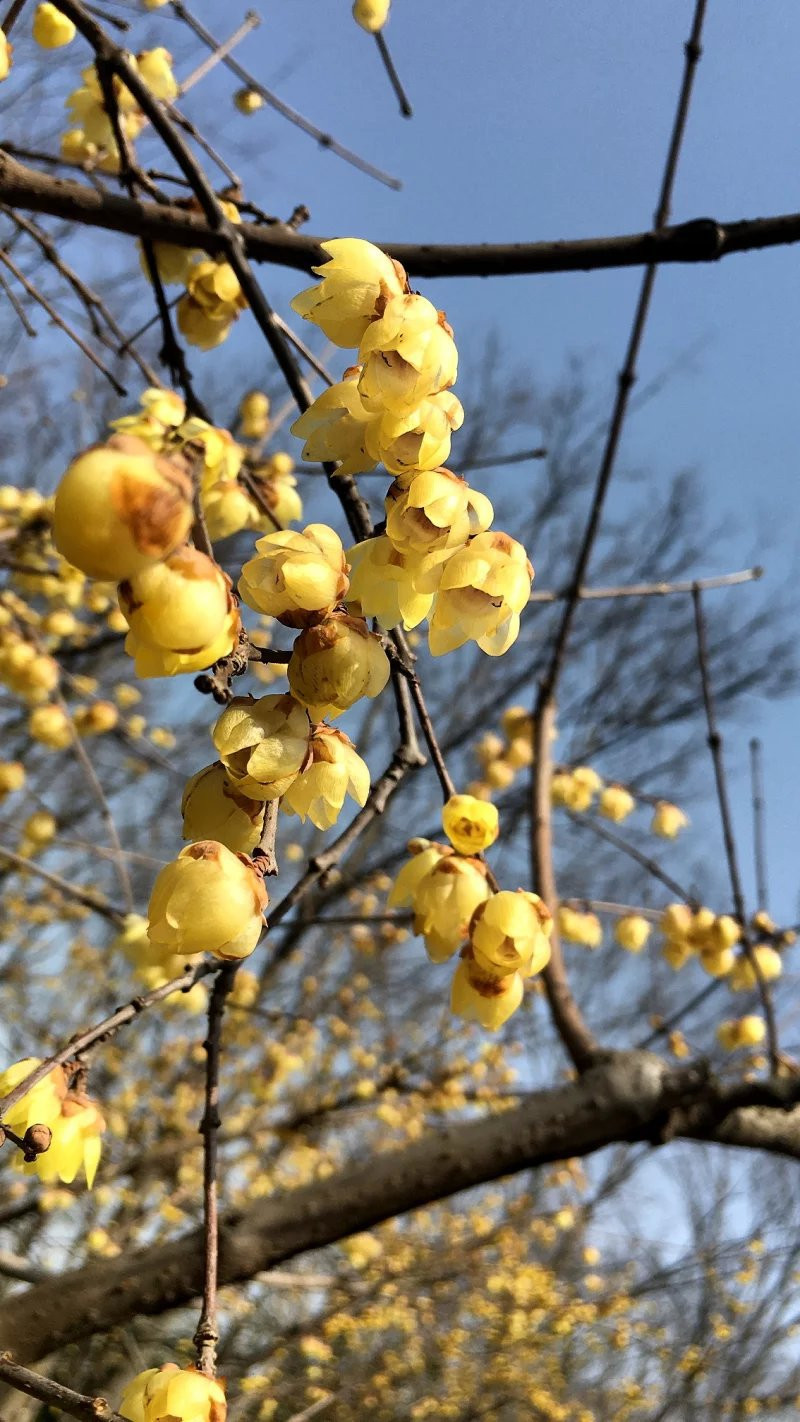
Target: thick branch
(701,240)
(633,1097)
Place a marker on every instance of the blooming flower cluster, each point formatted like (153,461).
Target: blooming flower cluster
(92,137)
(439,557)
(502,937)
(71,1122)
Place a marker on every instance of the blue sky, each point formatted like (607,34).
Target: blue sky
(538,120)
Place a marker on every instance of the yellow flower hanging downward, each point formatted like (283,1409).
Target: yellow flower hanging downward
(371,15)
(335,770)
(483,590)
(75,1122)
(208,900)
(180,1394)
(356,283)
(470,825)
(51,29)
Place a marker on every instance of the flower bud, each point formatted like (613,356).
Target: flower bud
(519,753)
(212,807)
(747,1031)
(12,777)
(248,101)
(371,15)
(335,663)
(510,933)
(357,281)
(120,509)
(616,803)
(296,577)
(743,975)
(632,932)
(335,769)
(668,820)
(254,411)
(96,719)
(181,615)
(277,488)
(208,900)
(406,355)
(40,828)
(479,997)
(182,1394)
(51,29)
(470,825)
(717,962)
(483,590)
(583,928)
(51,726)
(262,744)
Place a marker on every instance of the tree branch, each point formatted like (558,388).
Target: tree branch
(632,1097)
(704,239)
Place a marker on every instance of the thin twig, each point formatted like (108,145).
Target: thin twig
(101,800)
(59,321)
(73,891)
(54,1394)
(714,737)
(725,580)
(102,1031)
(759,825)
(325,140)
(206,1335)
(566,1014)
(393,76)
(650,865)
(250,22)
(17,307)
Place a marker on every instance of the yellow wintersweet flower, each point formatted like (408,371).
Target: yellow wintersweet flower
(406,355)
(724,933)
(173,264)
(668,820)
(335,427)
(120,509)
(208,900)
(40,828)
(153,963)
(335,769)
(6,51)
(371,15)
(510,933)
(616,803)
(434,512)
(227,508)
(161,413)
(213,808)
(577,927)
(739,1032)
(75,1142)
(248,101)
(155,68)
(97,719)
(488,1000)
(181,614)
(40,1105)
(356,283)
(51,726)
(278,489)
(743,975)
(384,584)
(263,744)
(182,1394)
(419,440)
(717,962)
(296,577)
(335,663)
(483,590)
(12,777)
(470,825)
(632,932)
(444,890)
(52,29)
(254,414)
